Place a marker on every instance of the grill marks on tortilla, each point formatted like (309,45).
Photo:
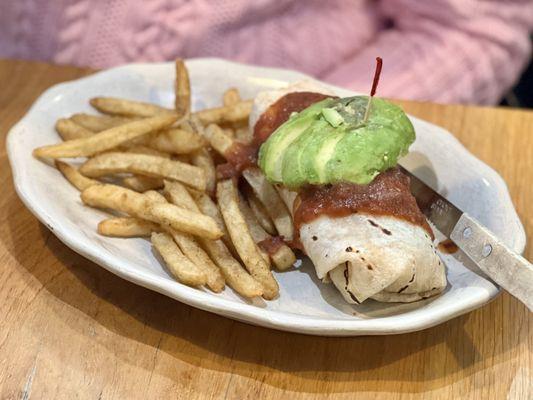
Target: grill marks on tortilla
(374,224)
(402,289)
(347,278)
(408,283)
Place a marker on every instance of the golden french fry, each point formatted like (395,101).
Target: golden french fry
(208,207)
(229,132)
(69,129)
(72,175)
(177,194)
(218,139)
(127,227)
(188,244)
(107,139)
(203,159)
(243,241)
(274,206)
(140,149)
(178,264)
(190,247)
(232,271)
(238,112)
(231,97)
(283,258)
(182,89)
(243,134)
(128,108)
(259,211)
(141,183)
(158,167)
(235,275)
(98,123)
(257,232)
(142,206)
(281,255)
(175,141)
(155,196)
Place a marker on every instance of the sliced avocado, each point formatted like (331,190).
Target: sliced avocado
(332,116)
(330,142)
(272,151)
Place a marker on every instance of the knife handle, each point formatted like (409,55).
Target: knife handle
(508,269)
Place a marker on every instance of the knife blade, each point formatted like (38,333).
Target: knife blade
(507,268)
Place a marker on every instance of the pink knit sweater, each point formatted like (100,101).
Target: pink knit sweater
(440,50)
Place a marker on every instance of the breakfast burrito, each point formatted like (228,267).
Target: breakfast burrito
(334,162)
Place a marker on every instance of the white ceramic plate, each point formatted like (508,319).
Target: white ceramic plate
(305,304)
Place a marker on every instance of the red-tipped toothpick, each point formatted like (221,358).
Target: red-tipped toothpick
(377,73)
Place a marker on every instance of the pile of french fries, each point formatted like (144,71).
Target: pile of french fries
(154,170)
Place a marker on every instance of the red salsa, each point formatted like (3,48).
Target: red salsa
(271,244)
(387,194)
(241,156)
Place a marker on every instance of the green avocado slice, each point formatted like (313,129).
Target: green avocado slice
(271,154)
(329,142)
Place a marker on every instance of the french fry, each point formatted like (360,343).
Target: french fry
(231,97)
(243,134)
(155,196)
(128,108)
(177,194)
(140,149)
(209,207)
(188,244)
(276,208)
(241,238)
(142,206)
(236,277)
(141,183)
(158,167)
(235,113)
(229,132)
(182,89)
(98,123)
(232,271)
(190,247)
(259,211)
(178,264)
(194,252)
(257,232)
(127,227)
(69,129)
(72,175)
(218,140)
(107,139)
(175,141)
(283,257)
(202,159)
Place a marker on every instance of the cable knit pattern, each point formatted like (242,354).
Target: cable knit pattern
(440,50)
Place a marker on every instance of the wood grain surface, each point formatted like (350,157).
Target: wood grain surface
(69,329)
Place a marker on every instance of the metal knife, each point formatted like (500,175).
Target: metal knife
(508,269)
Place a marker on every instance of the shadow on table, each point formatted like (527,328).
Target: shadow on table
(284,360)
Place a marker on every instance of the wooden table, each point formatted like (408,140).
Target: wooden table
(69,329)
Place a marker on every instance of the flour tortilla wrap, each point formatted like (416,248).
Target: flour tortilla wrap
(388,259)
(371,256)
